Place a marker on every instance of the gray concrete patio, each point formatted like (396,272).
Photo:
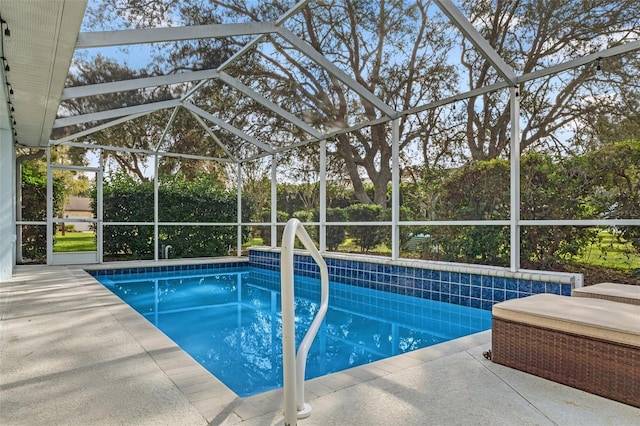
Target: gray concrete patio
(72,354)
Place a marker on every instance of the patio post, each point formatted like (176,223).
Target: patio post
(100,208)
(323,196)
(156,233)
(395,188)
(515,178)
(8,228)
(49,208)
(274,201)
(239,201)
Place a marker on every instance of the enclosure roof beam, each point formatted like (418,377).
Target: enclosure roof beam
(289,13)
(95,39)
(228,127)
(143,151)
(113,113)
(212,135)
(98,128)
(331,68)
(167,126)
(578,62)
(380,120)
(269,104)
(459,97)
(474,36)
(136,83)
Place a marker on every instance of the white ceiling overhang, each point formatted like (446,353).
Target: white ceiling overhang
(38,52)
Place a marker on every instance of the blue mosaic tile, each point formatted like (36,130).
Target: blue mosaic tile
(511,295)
(476,292)
(524,286)
(487,294)
(537,287)
(487,282)
(553,288)
(498,295)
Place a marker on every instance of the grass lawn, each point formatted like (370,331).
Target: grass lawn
(610,253)
(350,246)
(75,241)
(253,242)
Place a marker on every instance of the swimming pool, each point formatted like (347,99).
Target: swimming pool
(229,320)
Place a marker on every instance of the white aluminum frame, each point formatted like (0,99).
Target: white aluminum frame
(509,80)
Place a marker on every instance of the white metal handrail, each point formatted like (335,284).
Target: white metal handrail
(294,367)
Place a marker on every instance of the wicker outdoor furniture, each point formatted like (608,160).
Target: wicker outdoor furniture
(586,343)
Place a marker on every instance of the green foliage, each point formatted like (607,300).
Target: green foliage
(313,231)
(367,237)
(34,208)
(615,192)
(265,231)
(476,191)
(294,198)
(306,215)
(127,200)
(202,200)
(336,234)
(550,189)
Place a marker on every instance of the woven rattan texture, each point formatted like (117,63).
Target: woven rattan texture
(611,370)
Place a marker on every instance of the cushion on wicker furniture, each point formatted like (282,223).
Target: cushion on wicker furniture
(624,293)
(596,318)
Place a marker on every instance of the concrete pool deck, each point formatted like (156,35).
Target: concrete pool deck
(71,353)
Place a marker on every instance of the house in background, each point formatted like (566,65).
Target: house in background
(78,208)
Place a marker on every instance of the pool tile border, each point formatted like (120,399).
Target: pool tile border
(114,269)
(461,284)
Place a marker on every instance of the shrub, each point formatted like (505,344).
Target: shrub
(265,231)
(367,237)
(336,234)
(202,200)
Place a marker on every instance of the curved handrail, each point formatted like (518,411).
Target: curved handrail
(294,367)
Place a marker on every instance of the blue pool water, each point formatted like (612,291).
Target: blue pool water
(229,321)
